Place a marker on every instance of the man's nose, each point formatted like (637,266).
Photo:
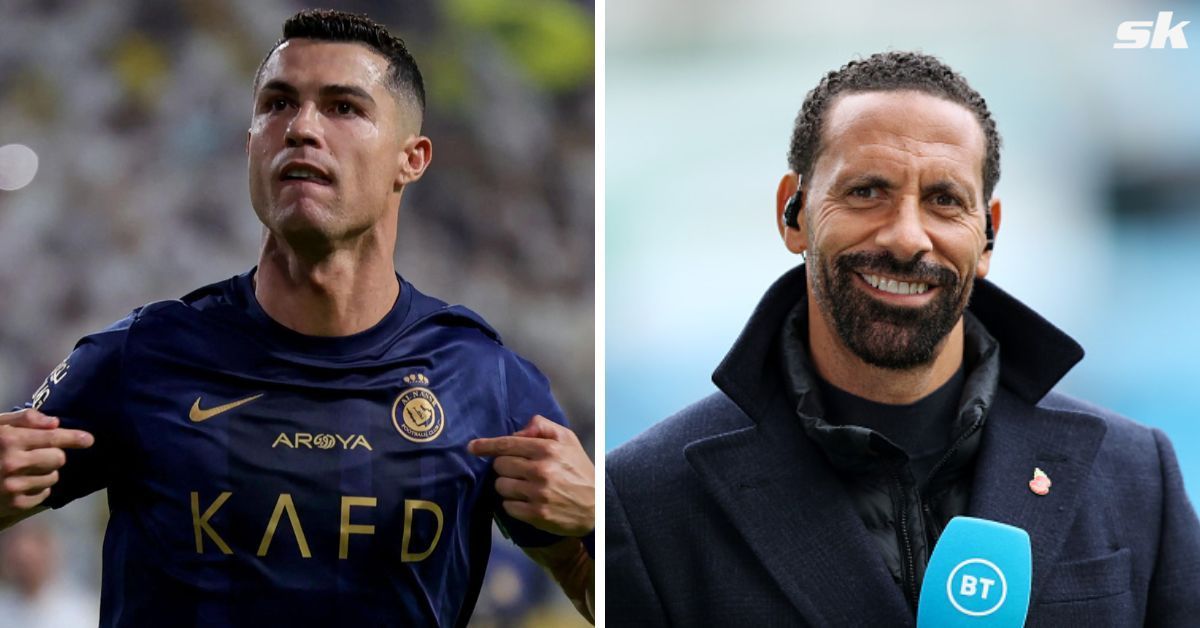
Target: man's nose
(904,234)
(304,127)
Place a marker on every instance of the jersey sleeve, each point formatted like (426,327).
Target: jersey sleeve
(85,392)
(528,392)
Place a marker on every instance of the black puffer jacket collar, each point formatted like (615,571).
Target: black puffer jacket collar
(855,449)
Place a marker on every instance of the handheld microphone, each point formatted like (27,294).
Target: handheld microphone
(978,577)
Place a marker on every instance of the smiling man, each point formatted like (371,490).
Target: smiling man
(883,388)
(314,442)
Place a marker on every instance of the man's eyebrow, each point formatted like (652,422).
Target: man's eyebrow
(280,86)
(347,90)
(326,91)
(867,181)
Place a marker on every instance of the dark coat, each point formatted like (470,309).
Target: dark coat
(726,514)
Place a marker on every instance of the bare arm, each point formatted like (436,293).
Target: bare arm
(546,479)
(572,569)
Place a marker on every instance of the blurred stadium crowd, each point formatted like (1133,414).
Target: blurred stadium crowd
(138,112)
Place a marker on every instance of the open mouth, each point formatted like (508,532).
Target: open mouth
(302,172)
(896,286)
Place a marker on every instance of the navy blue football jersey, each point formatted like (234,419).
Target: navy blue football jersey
(260,477)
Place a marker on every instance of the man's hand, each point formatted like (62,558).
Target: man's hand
(546,478)
(31,452)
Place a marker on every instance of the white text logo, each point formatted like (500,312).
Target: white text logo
(1156,34)
(977,587)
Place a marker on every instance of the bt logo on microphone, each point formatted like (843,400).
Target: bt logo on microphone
(979,576)
(977,587)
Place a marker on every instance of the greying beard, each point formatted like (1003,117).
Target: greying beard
(881,334)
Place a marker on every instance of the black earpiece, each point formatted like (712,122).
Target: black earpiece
(987,231)
(792,210)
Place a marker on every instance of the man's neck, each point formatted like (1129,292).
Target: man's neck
(838,365)
(341,292)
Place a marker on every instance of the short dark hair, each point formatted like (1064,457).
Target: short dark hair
(890,71)
(404,77)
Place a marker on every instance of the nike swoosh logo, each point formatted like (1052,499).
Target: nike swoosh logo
(197,414)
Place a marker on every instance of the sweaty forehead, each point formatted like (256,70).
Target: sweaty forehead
(903,124)
(313,63)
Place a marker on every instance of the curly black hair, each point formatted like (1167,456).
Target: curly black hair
(404,77)
(889,71)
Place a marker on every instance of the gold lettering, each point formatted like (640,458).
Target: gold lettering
(347,528)
(410,507)
(200,522)
(308,440)
(285,503)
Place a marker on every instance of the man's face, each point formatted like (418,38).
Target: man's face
(894,223)
(327,141)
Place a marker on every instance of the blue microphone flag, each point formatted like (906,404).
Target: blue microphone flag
(978,577)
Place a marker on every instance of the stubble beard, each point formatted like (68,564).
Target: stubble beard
(881,334)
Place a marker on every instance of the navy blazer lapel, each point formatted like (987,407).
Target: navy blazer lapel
(794,513)
(1017,439)
(785,499)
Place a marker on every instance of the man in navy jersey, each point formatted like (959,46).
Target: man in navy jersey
(313,442)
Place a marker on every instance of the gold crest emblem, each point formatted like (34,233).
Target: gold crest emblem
(417,414)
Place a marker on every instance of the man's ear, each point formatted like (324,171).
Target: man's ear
(985,260)
(794,238)
(413,160)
